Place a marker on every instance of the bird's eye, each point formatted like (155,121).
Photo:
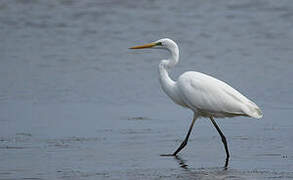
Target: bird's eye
(159,44)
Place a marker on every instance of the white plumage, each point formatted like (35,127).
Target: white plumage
(205,95)
(214,97)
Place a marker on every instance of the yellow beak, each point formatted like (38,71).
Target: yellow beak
(144,46)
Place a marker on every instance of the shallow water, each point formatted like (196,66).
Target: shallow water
(75,103)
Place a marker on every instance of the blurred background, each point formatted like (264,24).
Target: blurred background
(76,103)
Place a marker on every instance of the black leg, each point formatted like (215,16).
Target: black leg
(183,144)
(226,163)
(223,140)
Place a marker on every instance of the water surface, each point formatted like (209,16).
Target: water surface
(76,103)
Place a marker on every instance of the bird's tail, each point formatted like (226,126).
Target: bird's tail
(252,110)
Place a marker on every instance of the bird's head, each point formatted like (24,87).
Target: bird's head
(164,43)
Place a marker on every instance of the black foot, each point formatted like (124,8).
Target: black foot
(226,163)
(167,155)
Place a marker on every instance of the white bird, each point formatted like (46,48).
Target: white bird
(205,95)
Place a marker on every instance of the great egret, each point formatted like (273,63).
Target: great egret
(206,96)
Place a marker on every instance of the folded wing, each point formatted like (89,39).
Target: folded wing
(214,97)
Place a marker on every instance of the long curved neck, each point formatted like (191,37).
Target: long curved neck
(173,60)
(166,82)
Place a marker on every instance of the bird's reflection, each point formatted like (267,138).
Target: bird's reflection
(202,173)
(182,163)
